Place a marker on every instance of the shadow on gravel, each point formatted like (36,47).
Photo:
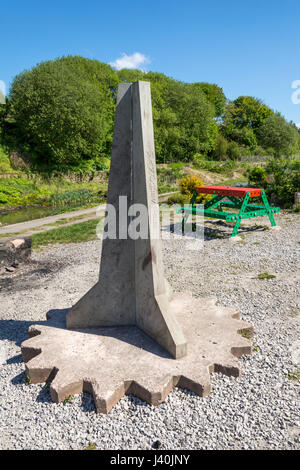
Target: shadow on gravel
(87,403)
(19,379)
(15,359)
(15,330)
(44,395)
(220,229)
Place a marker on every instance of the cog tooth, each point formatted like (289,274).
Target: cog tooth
(241,347)
(197,383)
(231,369)
(153,390)
(64,384)
(247,327)
(106,394)
(39,370)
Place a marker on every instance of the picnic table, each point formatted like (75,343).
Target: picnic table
(229,197)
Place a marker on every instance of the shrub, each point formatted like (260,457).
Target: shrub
(233,151)
(188,185)
(283,180)
(72,196)
(178,198)
(257,176)
(220,151)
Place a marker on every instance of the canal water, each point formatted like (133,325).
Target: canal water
(31,213)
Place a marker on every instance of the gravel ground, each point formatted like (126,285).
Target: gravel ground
(259,410)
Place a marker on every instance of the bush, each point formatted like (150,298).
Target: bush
(283,180)
(279,136)
(188,185)
(72,196)
(178,198)
(62,112)
(233,151)
(257,176)
(220,151)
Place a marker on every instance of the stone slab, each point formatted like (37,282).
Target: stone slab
(110,362)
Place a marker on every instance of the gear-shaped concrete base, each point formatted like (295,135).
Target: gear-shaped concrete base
(113,361)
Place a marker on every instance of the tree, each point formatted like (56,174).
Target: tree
(244,137)
(183,119)
(129,75)
(215,96)
(63,111)
(220,151)
(246,111)
(279,136)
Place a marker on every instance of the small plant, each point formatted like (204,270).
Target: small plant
(91,446)
(27,380)
(68,399)
(255,347)
(295,375)
(178,198)
(294,312)
(257,175)
(246,333)
(265,275)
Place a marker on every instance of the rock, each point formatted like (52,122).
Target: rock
(17,243)
(14,251)
(156,445)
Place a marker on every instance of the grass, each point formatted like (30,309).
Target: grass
(27,380)
(68,399)
(294,312)
(232,181)
(20,192)
(91,446)
(295,375)
(76,233)
(67,221)
(11,234)
(265,275)
(5,166)
(246,333)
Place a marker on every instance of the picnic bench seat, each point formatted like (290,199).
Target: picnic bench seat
(230,197)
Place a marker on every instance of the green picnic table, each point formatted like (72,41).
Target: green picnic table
(229,197)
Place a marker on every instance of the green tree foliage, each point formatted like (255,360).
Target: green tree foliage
(245,111)
(183,119)
(220,151)
(245,137)
(63,111)
(130,76)
(215,96)
(278,136)
(283,179)
(233,151)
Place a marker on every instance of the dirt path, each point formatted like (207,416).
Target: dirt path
(47,223)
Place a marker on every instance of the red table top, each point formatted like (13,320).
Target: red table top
(229,191)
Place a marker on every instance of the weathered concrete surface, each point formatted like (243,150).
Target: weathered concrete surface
(110,362)
(131,289)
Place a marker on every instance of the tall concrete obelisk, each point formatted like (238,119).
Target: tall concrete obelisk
(132,289)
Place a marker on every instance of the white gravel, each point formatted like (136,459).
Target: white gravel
(260,410)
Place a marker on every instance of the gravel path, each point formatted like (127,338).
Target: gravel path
(260,410)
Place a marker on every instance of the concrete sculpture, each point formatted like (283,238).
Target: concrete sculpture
(99,345)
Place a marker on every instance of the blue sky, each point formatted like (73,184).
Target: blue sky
(247,48)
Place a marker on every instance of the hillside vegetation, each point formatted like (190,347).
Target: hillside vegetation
(58,120)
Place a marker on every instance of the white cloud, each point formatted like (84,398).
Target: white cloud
(133,61)
(298,125)
(2,92)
